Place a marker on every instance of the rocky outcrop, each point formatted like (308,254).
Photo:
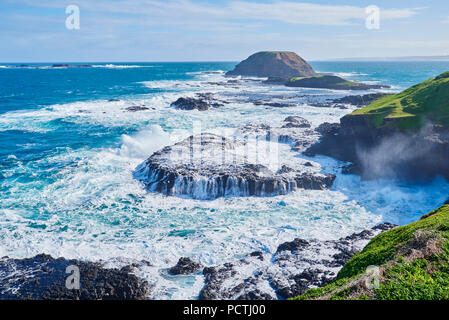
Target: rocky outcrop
(63,65)
(330,82)
(43,277)
(296,122)
(191,104)
(295,267)
(360,100)
(185,266)
(201,102)
(137,108)
(386,152)
(209,166)
(280,64)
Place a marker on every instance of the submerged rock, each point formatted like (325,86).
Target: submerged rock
(137,108)
(295,267)
(209,166)
(43,277)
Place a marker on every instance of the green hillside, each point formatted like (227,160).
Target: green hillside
(412,108)
(413,261)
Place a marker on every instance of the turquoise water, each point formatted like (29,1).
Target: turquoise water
(67,155)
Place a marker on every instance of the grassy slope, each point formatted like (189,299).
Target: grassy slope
(411,108)
(413,259)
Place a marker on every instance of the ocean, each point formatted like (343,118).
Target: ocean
(69,146)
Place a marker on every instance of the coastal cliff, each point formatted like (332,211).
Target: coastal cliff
(402,136)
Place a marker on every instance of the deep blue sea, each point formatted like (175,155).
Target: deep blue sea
(67,154)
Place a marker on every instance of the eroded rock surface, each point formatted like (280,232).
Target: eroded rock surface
(185,266)
(43,277)
(209,166)
(295,267)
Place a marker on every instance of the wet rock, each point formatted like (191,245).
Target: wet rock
(387,152)
(295,267)
(209,166)
(62,65)
(327,128)
(297,244)
(43,277)
(191,104)
(185,266)
(136,108)
(296,122)
(360,100)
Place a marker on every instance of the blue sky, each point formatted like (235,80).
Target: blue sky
(198,30)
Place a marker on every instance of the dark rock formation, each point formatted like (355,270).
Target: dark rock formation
(330,82)
(191,104)
(202,102)
(280,64)
(386,152)
(274,104)
(136,108)
(296,122)
(185,266)
(63,65)
(360,100)
(42,278)
(295,267)
(327,128)
(209,166)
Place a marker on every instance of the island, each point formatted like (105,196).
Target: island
(289,69)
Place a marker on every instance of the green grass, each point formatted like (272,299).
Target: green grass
(420,277)
(412,281)
(414,107)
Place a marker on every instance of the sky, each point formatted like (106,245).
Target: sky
(221,30)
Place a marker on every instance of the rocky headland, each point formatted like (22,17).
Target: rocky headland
(403,136)
(289,69)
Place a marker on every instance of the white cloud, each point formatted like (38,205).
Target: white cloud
(187,10)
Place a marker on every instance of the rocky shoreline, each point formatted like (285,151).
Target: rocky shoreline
(295,267)
(44,278)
